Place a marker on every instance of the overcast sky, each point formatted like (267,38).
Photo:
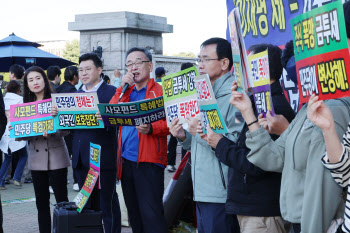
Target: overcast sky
(39,20)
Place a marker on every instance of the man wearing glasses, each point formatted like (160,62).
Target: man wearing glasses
(106,198)
(209,177)
(142,150)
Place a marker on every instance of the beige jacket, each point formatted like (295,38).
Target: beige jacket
(48,153)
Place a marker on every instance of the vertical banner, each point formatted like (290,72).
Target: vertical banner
(31,119)
(259,66)
(321,53)
(180,95)
(241,71)
(133,113)
(208,107)
(76,110)
(91,178)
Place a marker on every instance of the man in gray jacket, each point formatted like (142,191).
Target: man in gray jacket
(209,177)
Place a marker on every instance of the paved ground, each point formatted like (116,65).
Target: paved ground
(22,217)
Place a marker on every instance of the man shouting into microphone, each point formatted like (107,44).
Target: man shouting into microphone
(142,150)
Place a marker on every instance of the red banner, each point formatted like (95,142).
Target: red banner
(324,74)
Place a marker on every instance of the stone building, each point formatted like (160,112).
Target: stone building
(116,32)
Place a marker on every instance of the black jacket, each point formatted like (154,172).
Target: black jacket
(3,118)
(252,191)
(66,87)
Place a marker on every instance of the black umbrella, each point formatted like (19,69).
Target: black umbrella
(15,50)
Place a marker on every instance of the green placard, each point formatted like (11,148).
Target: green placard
(319,31)
(180,84)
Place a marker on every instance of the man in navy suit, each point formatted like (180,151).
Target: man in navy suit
(90,69)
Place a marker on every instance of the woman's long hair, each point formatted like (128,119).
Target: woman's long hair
(29,96)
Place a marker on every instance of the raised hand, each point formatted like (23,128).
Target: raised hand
(176,129)
(200,132)
(319,114)
(276,124)
(192,125)
(128,78)
(213,138)
(263,121)
(240,100)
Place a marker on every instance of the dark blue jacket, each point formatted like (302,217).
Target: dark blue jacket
(105,137)
(252,191)
(66,87)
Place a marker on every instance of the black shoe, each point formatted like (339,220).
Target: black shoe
(7,182)
(28,180)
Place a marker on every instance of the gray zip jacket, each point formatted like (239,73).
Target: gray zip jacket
(309,195)
(206,178)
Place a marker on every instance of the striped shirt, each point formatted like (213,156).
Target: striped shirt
(340,172)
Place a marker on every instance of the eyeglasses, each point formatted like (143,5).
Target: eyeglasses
(205,60)
(137,64)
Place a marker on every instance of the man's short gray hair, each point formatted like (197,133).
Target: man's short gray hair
(139,49)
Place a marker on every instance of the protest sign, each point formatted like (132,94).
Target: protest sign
(321,53)
(208,107)
(259,66)
(267,22)
(31,119)
(76,110)
(263,99)
(133,113)
(180,95)
(91,178)
(241,70)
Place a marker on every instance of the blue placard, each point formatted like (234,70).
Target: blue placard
(77,120)
(32,127)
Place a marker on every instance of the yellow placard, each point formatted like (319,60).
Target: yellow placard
(259,66)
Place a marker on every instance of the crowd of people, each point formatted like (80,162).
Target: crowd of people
(282,173)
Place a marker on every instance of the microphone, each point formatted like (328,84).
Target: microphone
(126,86)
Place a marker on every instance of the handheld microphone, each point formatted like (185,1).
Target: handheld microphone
(126,86)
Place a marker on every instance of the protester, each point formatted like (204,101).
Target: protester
(8,145)
(71,78)
(209,176)
(142,149)
(253,194)
(3,122)
(336,158)
(48,156)
(309,198)
(279,101)
(2,83)
(105,78)
(16,72)
(106,198)
(54,75)
(277,124)
(117,80)
(160,73)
